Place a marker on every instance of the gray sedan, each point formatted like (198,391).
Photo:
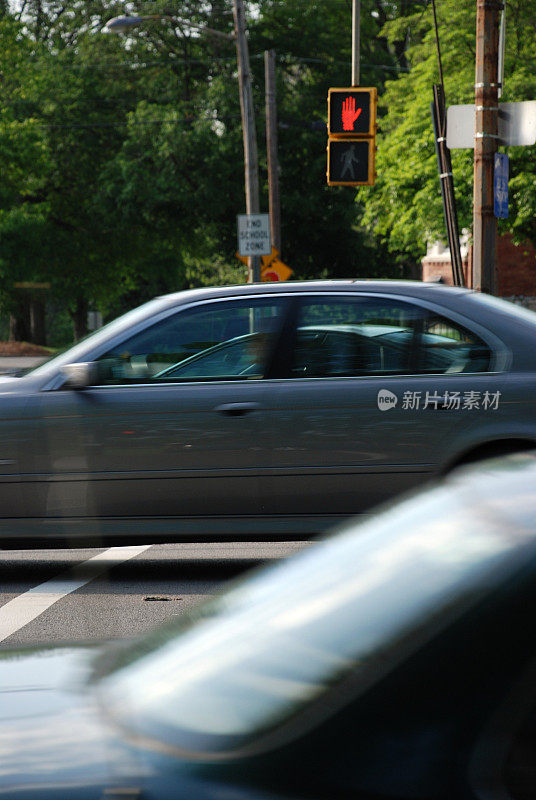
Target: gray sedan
(262,410)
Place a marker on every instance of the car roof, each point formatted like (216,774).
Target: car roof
(402,287)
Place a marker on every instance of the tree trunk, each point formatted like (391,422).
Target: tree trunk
(19,323)
(79,318)
(37,322)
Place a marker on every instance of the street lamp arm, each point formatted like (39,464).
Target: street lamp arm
(125,24)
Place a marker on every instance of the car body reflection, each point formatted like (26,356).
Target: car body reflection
(393,659)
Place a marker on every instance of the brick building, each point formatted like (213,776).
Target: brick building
(516,268)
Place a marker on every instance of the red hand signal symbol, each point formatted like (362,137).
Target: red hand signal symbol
(349,114)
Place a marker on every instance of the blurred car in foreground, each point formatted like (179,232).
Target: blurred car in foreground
(262,410)
(395,659)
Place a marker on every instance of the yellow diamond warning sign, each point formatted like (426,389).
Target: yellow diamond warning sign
(275,271)
(272,268)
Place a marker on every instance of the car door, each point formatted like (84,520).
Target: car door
(157,437)
(374,388)
(16,433)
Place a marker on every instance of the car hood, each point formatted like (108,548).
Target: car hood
(7,381)
(57,744)
(22,385)
(54,741)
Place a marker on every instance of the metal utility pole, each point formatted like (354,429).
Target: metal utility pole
(251,161)
(271,147)
(446,179)
(486,142)
(447,184)
(356,17)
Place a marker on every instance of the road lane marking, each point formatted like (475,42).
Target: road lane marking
(17,613)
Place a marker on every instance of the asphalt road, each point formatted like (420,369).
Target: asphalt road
(103,594)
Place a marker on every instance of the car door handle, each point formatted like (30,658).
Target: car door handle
(237,409)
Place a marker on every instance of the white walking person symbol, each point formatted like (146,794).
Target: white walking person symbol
(349,162)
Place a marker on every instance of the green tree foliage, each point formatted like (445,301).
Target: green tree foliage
(405,209)
(124,153)
(321,230)
(59,126)
(24,162)
(122,156)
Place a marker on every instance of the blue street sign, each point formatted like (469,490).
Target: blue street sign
(501,185)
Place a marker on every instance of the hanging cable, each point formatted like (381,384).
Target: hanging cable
(444,163)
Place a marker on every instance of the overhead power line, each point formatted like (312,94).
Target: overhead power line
(281,58)
(312,125)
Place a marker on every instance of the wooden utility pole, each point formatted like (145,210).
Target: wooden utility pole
(251,161)
(271,147)
(486,143)
(356,16)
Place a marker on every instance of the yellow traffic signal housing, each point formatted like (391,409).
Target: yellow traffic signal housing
(352,136)
(351,162)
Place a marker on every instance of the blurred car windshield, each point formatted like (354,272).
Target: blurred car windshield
(116,326)
(353,606)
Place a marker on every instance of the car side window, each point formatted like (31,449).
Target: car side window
(338,336)
(231,339)
(446,347)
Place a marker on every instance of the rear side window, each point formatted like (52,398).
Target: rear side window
(446,347)
(339,336)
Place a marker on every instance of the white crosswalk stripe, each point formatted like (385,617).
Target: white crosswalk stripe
(21,610)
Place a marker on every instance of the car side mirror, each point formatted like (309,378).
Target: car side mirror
(81,375)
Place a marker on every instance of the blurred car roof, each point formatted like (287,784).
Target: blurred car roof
(389,660)
(355,605)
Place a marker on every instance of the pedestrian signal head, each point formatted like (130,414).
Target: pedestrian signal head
(352,111)
(351,162)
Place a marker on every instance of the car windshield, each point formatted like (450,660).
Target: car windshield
(350,607)
(72,354)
